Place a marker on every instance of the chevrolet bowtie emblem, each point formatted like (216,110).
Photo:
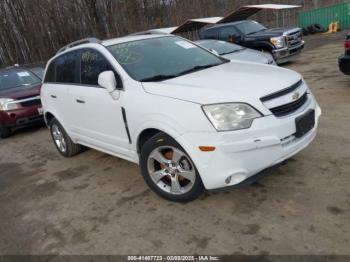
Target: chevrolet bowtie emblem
(296,96)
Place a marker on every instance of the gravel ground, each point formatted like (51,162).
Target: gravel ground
(98,204)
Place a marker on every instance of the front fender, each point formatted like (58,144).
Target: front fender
(162,123)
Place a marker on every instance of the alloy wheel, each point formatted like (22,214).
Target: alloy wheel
(171,170)
(59,139)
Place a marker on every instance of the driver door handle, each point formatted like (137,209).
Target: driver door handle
(80,101)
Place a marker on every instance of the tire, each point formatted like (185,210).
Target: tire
(173,175)
(311,30)
(62,141)
(318,28)
(5,132)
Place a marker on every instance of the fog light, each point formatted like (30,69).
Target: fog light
(228,180)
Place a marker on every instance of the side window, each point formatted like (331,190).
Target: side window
(92,64)
(50,73)
(211,34)
(66,68)
(229,34)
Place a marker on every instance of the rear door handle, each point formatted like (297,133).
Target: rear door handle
(80,101)
(53,96)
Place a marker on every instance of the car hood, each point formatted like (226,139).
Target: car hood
(21,92)
(249,55)
(272,32)
(235,81)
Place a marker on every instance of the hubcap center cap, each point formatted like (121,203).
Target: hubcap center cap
(171,169)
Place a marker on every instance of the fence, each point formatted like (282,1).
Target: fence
(326,15)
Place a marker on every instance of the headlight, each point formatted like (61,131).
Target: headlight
(278,42)
(5,104)
(233,116)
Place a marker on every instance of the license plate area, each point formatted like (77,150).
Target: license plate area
(305,123)
(40,111)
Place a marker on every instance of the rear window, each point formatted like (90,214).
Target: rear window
(17,77)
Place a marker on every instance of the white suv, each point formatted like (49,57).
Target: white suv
(192,120)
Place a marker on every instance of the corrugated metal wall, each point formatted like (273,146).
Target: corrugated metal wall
(327,15)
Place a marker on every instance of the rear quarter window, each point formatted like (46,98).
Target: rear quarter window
(63,69)
(66,68)
(50,73)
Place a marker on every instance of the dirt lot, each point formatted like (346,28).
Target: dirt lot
(98,204)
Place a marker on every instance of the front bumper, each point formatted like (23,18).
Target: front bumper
(287,54)
(241,154)
(344,64)
(25,116)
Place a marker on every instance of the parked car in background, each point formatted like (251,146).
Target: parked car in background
(282,43)
(20,103)
(344,60)
(236,52)
(38,70)
(191,119)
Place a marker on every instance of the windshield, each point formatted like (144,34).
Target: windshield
(162,58)
(38,71)
(221,47)
(17,77)
(250,27)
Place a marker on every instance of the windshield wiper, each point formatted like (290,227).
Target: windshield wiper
(157,78)
(165,77)
(231,52)
(197,68)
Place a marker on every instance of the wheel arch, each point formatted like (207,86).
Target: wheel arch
(146,134)
(265,46)
(48,116)
(152,126)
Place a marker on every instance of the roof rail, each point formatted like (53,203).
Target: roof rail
(148,32)
(80,42)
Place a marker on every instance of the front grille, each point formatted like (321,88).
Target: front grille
(282,92)
(294,39)
(289,108)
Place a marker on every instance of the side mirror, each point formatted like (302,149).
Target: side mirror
(214,52)
(233,38)
(107,80)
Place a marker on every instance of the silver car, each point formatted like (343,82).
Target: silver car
(236,52)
